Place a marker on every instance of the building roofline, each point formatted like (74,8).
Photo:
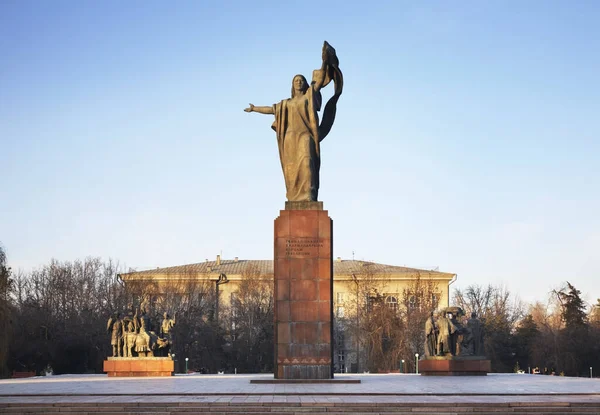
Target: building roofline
(343,269)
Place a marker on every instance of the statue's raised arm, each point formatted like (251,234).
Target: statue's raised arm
(299,133)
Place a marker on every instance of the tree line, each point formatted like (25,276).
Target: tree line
(559,336)
(55,317)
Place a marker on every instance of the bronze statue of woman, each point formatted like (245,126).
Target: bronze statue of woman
(299,133)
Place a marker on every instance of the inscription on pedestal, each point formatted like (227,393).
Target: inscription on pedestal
(302,247)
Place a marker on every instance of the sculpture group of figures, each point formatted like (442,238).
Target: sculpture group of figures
(134,336)
(445,335)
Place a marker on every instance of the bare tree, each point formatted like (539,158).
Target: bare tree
(354,325)
(419,299)
(384,334)
(500,311)
(251,323)
(60,315)
(386,327)
(6,289)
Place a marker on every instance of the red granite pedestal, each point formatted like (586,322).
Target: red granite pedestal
(455,366)
(303,271)
(139,366)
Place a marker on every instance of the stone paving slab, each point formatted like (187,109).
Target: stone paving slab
(239,385)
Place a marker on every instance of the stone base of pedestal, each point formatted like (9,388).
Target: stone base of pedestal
(303,292)
(304,381)
(139,366)
(455,366)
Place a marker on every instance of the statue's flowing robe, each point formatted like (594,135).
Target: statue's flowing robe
(297,127)
(299,134)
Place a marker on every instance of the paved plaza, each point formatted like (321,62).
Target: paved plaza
(373,387)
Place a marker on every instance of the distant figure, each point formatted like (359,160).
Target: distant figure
(431,336)
(115,327)
(465,341)
(166,332)
(166,328)
(145,323)
(128,317)
(446,343)
(146,339)
(455,334)
(129,338)
(476,328)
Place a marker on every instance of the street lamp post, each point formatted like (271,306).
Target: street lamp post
(222,280)
(186,365)
(417,363)
(355,280)
(591,372)
(402,366)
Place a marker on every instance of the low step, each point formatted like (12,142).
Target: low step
(272,408)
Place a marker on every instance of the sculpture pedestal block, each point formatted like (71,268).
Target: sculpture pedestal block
(139,366)
(455,366)
(303,271)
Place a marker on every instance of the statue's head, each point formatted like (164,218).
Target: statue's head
(299,85)
(473,315)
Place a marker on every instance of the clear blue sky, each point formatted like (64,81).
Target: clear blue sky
(467,137)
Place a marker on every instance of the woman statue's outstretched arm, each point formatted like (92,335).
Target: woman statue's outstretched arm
(262,110)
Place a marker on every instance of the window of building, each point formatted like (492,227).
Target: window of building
(434,300)
(340,339)
(412,301)
(341,363)
(392,302)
